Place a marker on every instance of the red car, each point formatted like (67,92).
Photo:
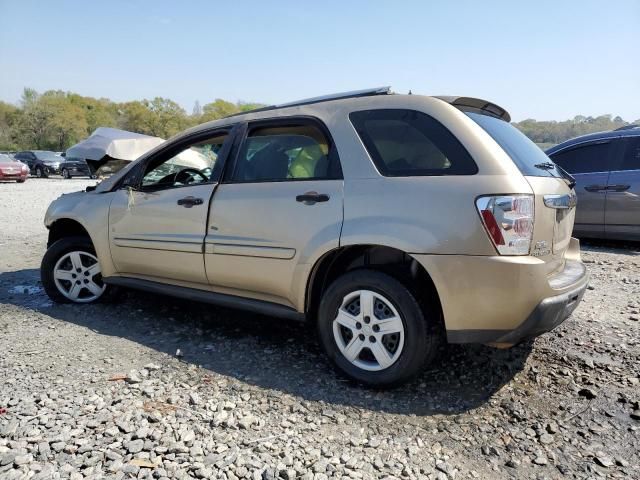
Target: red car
(11,169)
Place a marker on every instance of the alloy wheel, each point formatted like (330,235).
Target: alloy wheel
(78,277)
(368,330)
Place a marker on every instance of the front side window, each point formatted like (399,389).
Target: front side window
(409,143)
(281,153)
(192,165)
(589,158)
(631,160)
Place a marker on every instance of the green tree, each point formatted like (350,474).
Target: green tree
(159,117)
(9,116)
(67,124)
(218,109)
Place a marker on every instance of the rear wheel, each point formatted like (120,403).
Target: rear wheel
(373,329)
(40,173)
(71,273)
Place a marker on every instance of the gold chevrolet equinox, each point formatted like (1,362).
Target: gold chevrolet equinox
(392,222)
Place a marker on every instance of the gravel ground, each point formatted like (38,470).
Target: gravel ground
(154,387)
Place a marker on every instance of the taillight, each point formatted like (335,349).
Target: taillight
(509,222)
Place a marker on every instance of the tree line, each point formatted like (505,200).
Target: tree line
(55,120)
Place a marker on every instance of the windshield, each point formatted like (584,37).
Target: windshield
(527,156)
(6,158)
(48,156)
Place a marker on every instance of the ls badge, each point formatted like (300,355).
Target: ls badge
(541,249)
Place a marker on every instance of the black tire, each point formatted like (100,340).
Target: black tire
(51,257)
(65,174)
(40,173)
(20,181)
(421,335)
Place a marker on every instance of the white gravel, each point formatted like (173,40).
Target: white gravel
(97,391)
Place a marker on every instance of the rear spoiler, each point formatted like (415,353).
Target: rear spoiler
(470,104)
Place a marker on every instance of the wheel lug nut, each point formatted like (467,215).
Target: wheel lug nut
(86,281)
(73,275)
(367,319)
(358,325)
(77,282)
(376,328)
(86,273)
(78,270)
(361,337)
(372,339)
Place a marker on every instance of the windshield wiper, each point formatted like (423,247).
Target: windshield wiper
(545,165)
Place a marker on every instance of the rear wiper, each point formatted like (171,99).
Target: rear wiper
(545,165)
(571,181)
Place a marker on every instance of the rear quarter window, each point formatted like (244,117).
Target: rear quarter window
(410,143)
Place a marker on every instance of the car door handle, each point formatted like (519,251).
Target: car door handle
(309,198)
(595,188)
(618,188)
(188,202)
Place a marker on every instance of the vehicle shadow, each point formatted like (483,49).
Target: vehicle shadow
(272,353)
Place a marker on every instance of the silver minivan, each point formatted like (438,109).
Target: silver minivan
(606,166)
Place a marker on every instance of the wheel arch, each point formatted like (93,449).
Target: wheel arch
(66,227)
(395,262)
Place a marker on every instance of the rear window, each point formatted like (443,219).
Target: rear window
(524,153)
(411,143)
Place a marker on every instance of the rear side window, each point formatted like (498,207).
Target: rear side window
(593,157)
(525,154)
(631,160)
(410,143)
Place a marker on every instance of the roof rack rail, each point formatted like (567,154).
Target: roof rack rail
(367,92)
(627,127)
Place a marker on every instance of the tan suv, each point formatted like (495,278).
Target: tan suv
(390,221)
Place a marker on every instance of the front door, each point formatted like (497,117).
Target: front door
(623,195)
(279,206)
(589,164)
(157,229)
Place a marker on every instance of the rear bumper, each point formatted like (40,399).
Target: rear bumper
(505,299)
(547,315)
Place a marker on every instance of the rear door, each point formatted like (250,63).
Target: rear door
(280,204)
(622,214)
(589,163)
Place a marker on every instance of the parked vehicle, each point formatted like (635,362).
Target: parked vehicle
(391,222)
(42,163)
(75,167)
(12,169)
(606,166)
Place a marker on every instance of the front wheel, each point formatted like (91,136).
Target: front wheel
(65,174)
(40,173)
(71,273)
(373,329)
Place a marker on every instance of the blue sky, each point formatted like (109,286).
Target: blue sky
(539,59)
